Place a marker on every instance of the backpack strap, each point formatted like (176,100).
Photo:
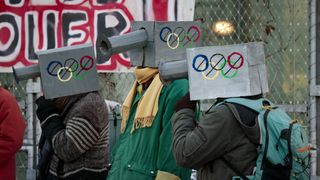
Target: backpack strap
(257,105)
(289,146)
(264,158)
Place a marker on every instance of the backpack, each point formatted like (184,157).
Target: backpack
(284,151)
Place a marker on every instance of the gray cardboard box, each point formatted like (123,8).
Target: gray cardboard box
(68,71)
(227,71)
(166,40)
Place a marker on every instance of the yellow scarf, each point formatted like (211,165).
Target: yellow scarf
(148,103)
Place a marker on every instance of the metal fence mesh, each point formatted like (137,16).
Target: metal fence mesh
(18,90)
(282,26)
(116,86)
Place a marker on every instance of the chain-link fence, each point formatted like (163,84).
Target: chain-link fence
(282,26)
(116,86)
(18,90)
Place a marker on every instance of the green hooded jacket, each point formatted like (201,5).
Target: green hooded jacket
(146,152)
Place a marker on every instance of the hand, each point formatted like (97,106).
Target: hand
(50,121)
(45,109)
(185,102)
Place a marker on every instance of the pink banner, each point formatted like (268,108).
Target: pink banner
(28,26)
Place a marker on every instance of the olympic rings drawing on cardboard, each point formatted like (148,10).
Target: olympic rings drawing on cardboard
(168,42)
(178,36)
(70,66)
(64,80)
(217,64)
(57,63)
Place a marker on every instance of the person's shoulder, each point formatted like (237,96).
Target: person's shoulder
(93,95)
(179,84)
(176,89)
(220,109)
(92,99)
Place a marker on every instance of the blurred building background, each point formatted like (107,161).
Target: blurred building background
(284,26)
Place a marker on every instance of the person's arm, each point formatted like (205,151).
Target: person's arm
(166,164)
(12,127)
(68,141)
(195,145)
(83,130)
(78,137)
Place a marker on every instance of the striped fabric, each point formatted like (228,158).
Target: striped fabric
(82,133)
(83,144)
(104,138)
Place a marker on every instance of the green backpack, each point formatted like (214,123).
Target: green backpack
(284,151)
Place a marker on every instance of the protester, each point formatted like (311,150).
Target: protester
(143,150)
(77,129)
(12,127)
(219,134)
(243,135)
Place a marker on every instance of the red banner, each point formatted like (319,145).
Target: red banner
(28,26)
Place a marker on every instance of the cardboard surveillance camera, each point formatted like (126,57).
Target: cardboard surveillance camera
(64,71)
(150,41)
(221,71)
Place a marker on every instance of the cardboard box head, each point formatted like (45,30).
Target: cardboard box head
(68,71)
(227,71)
(165,40)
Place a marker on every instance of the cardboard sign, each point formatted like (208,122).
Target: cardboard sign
(227,71)
(68,71)
(166,40)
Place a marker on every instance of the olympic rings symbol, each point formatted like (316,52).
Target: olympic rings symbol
(69,70)
(211,68)
(179,37)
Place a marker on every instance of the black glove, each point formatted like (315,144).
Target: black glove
(185,102)
(45,108)
(48,115)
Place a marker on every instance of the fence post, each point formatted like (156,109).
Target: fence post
(32,89)
(314,88)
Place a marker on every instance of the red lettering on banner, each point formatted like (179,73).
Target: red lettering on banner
(28,26)
(32,28)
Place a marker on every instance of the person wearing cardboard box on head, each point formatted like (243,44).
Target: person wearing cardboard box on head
(144,148)
(243,135)
(73,115)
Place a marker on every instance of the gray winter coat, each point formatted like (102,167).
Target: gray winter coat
(219,133)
